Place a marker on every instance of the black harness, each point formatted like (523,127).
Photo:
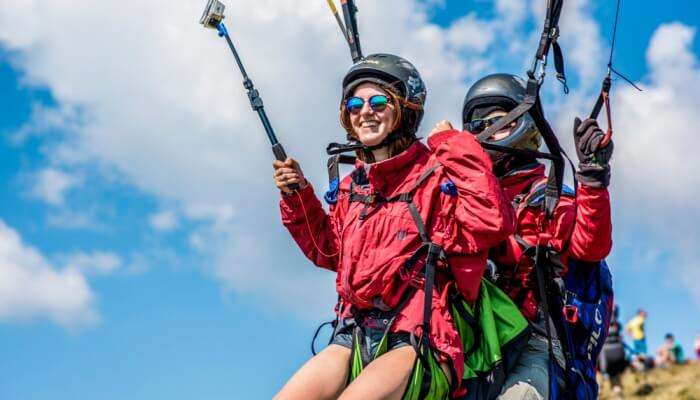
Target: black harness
(429,251)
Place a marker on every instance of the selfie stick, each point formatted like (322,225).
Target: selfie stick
(213,18)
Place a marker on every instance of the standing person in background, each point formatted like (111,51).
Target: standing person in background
(635,327)
(697,347)
(613,360)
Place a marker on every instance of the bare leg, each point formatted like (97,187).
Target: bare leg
(386,377)
(322,377)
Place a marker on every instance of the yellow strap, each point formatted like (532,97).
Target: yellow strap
(331,4)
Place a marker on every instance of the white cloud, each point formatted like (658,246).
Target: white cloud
(160,100)
(51,185)
(157,98)
(655,186)
(163,221)
(31,288)
(93,263)
(68,219)
(172,118)
(471,34)
(656,128)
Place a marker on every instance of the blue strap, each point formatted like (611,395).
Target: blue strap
(331,196)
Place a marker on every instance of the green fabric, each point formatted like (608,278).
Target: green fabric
(439,388)
(356,364)
(500,321)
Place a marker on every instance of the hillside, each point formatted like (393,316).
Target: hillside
(677,383)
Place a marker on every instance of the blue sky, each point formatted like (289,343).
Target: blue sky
(139,227)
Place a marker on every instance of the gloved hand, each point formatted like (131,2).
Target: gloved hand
(593,167)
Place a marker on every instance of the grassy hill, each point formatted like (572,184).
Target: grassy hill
(678,383)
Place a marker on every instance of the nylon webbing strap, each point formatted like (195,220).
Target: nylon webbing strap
(545,308)
(349,11)
(333,165)
(338,148)
(418,220)
(551,27)
(433,253)
(559,65)
(517,112)
(408,196)
(518,152)
(532,104)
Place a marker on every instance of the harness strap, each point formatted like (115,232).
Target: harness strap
(545,308)
(432,252)
(472,321)
(531,104)
(408,196)
(349,11)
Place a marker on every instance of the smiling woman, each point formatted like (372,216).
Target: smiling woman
(395,323)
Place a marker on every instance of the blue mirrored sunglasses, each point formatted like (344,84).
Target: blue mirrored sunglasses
(376,103)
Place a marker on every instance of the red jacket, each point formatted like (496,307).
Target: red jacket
(583,223)
(366,254)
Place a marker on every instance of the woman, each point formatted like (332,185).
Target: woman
(372,232)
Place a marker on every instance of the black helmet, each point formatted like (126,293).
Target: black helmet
(504,91)
(396,72)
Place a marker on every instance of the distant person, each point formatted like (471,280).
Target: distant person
(613,360)
(697,347)
(670,353)
(635,327)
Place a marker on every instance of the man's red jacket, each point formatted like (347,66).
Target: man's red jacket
(581,229)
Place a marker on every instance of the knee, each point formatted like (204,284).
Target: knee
(521,391)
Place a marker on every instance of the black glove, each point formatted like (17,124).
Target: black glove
(593,167)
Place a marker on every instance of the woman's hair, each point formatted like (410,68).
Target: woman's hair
(398,145)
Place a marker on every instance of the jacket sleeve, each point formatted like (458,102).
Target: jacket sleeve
(591,238)
(315,231)
(484,215)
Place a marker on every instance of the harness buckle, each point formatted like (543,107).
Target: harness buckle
(570,314)
(554,33)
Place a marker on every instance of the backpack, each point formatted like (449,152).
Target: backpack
(587,309)
(580,306)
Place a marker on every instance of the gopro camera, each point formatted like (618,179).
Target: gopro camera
(213,14)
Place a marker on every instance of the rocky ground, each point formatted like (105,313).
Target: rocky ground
(678,383)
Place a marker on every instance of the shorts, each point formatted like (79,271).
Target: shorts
(373,328)
(640,347)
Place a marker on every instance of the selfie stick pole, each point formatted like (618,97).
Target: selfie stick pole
(213,18)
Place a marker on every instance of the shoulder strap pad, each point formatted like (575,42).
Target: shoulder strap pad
(537,194)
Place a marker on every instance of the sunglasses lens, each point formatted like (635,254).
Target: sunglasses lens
(479,125)
(476,126)
(354,105)
(378,103)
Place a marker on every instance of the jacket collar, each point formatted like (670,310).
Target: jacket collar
(388,175)
(520,179)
